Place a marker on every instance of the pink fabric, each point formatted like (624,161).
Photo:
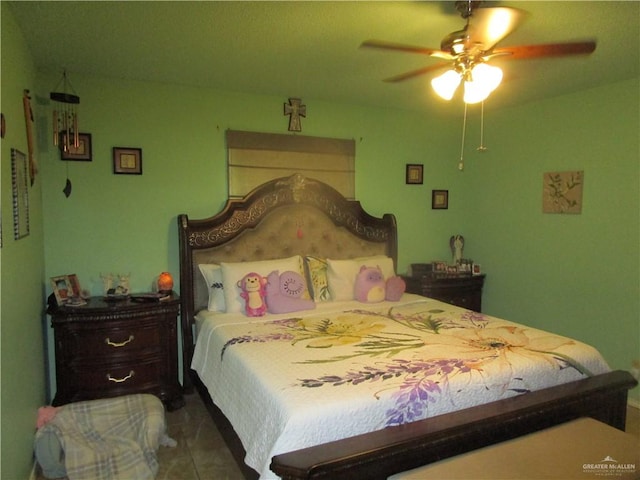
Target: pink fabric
(46,414)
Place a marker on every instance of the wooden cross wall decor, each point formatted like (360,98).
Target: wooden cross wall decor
(295,110)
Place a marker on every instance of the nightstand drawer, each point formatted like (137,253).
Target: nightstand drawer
(115,379)
(469,301)
(100,343)
(463,291)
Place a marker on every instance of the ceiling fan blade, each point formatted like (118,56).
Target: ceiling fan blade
(416,73)
(546,50)
(406,48)
(487,26)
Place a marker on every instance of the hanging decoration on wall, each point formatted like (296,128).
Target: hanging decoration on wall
(67,187)
(20,190)
(562,192)
(65,116)
(28,118)
(295,109)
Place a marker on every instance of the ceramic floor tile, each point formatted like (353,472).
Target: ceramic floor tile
(215,464)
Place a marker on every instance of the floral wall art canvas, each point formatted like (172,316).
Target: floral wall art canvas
(562,192)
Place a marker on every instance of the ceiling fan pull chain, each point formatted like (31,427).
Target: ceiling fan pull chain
(464,128)
(482,148)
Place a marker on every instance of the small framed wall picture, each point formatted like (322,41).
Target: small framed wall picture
(81,153)
(127,160)
(439,199)
(414,174)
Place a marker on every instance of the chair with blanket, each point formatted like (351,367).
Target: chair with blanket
(107,439)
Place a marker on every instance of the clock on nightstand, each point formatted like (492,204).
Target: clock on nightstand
(109,348)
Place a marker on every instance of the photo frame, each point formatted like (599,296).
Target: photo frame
(20,189)
(82,153)
(439,199)
(127,160)
(76,290)
(439,267)
(414,174)
(62,289)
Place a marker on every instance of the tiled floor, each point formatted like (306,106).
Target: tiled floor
(201,453)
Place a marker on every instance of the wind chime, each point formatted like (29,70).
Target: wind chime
(66,135)
(65,116)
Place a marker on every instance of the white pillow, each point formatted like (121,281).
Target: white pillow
(232,273)
(341,274)
(212,274)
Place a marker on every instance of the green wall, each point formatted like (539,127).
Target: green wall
(127,223)
(577,275)
(22,274)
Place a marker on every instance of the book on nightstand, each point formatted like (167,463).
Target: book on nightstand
(150,297)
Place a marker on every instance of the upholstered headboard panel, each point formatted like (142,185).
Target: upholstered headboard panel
(283,217)
(296,229)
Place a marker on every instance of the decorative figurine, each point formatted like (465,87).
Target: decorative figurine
(456,242)
(107,282)
(123,284)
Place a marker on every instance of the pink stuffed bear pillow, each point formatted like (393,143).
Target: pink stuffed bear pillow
(371,287)
(284,293)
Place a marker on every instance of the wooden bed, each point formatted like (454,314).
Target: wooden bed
(301,216)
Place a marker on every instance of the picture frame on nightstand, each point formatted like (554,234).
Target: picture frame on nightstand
(62,289)
(440,267)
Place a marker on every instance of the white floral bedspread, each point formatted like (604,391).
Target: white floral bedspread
(292,381)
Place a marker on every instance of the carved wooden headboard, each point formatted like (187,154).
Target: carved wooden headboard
(287,216)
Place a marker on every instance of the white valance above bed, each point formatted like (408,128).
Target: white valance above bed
(255,158)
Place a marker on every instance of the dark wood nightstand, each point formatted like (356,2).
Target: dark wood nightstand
(461,290)
(110,348)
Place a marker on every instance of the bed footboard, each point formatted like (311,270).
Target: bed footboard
(392,450)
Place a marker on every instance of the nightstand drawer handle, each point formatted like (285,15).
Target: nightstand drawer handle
(120,380)
(118,344)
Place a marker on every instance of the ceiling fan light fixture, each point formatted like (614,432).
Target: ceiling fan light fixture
(483,80)
(446,84)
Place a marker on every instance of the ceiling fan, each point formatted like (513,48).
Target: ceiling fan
(468,51)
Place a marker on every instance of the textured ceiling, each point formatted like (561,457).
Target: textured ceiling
(311,49)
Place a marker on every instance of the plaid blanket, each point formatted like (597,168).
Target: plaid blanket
(110,439)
